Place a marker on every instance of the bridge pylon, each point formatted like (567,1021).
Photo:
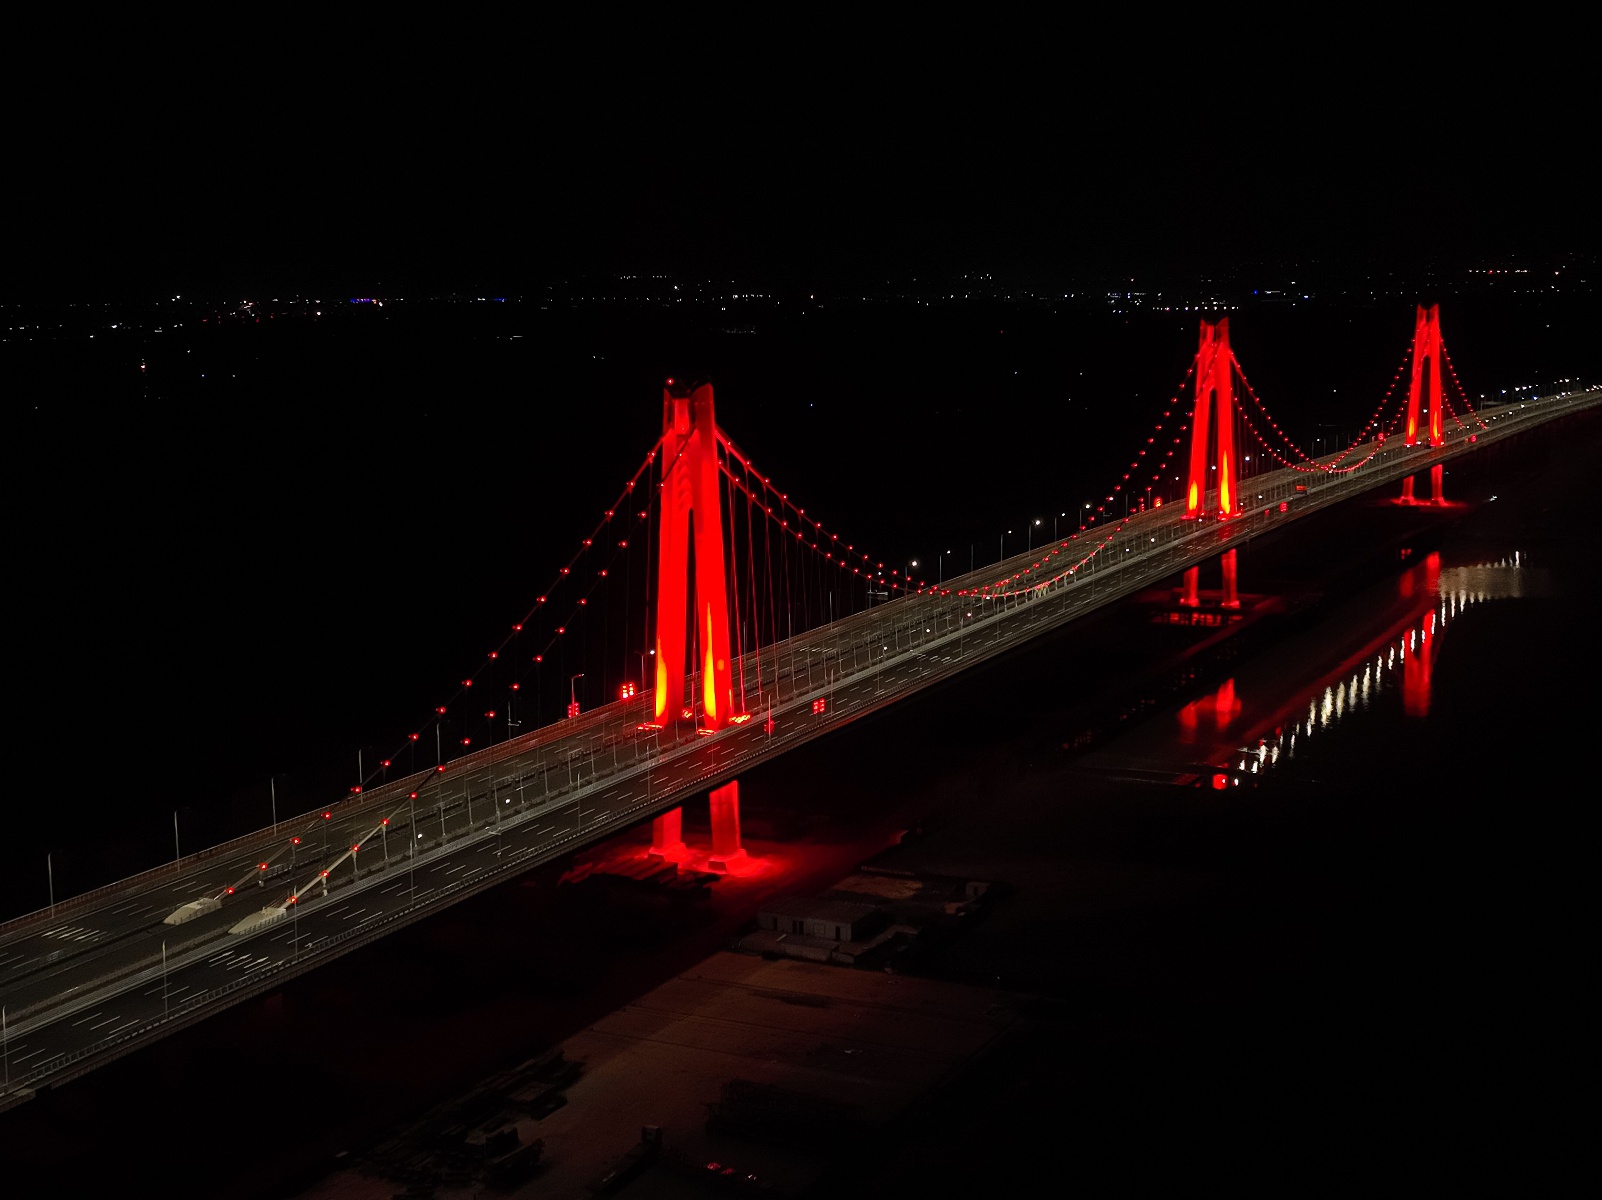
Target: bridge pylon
(1212,445)
(692,515)
(1212,424)
(1426,375)
(690,501)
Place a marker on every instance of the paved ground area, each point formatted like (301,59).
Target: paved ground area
(870,1042)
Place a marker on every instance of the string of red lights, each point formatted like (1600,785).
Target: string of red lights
(565,576)
(1002,586)
(1308,463)
(797,528)
(1462,394)
(834,554)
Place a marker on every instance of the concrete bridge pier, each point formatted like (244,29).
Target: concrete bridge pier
(1231,598)
(667,837)
(1437,487)
(1190,597)
(727,852)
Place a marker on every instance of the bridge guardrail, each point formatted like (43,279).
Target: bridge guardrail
(883,621)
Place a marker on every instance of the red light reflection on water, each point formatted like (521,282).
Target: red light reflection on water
(1417,660)
(1219,709)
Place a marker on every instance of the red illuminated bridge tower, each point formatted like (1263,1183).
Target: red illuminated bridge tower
(692,516)
(1214,414)
(690,502)
(1426,384)
(1213,450)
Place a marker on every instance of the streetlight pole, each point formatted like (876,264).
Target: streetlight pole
(572,694)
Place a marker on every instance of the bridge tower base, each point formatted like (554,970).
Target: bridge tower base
(1190,597)
(1231,599)
(667,837)
(727,852)
(1437,487)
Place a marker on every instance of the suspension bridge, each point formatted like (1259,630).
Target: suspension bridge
(761,630)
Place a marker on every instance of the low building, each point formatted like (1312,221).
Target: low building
(822,917)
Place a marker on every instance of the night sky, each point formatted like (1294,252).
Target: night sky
(269,160)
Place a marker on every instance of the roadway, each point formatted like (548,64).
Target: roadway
(94,976)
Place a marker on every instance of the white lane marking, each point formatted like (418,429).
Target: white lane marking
(357,913)
(90,1017)
(103,1024)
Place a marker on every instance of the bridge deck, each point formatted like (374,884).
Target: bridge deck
(94,976)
